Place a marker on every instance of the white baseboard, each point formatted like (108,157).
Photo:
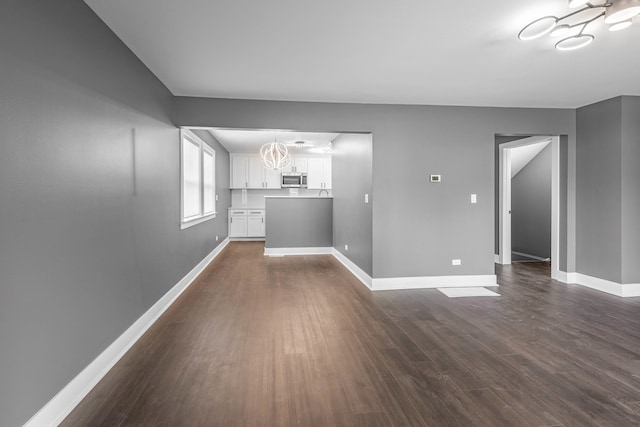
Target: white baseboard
(613,288)
(246,239)
(564,277)
(353,268)
(429,282)
(297,251)
(55,411)
(424,282)
(531,256)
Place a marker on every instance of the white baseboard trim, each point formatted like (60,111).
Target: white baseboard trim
(297,251)
(613,288)
(429,282)
(424,282)
(530,256)
(55,411)
(564,277)
(353,268)
(246,239)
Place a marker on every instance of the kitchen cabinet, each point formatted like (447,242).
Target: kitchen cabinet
(319,173)
(239,171)
(246,223)
(238,223)
(249,172)
(255,223)
(260,176)
(298,164)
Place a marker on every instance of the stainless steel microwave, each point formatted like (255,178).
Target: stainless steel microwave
(293,180)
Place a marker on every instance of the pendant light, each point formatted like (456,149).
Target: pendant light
(275,155)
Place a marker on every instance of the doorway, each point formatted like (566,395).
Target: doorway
(513,155)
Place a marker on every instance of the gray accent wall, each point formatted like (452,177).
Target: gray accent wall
(352,162)
(531,207)
(89,197)
(631,189)
(298,222)
(599,190)
(418,227)
(608,195)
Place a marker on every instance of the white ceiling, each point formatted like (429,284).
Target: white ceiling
(250,140)
(463,52)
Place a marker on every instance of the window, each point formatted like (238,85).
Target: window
(198,180)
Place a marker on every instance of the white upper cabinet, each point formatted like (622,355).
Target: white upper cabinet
(271,178)
(298,164)
(248,171)
(256,172)
(239,171)
(319,173)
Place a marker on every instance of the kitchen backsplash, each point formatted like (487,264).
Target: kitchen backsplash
(255,198)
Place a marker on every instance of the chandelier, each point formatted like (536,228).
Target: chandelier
(617,13)
(275,155)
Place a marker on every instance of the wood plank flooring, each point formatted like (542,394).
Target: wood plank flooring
(298,341)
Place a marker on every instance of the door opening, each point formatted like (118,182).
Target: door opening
(508,163)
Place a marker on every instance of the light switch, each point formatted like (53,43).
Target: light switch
(474,198)
(366,198)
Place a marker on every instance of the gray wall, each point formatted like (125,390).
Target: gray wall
(89,197)
(631,189)
(531,207)
(599,190)
(417,227)
(297,222)
(352,178)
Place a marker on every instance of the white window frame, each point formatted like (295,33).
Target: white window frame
(188,137)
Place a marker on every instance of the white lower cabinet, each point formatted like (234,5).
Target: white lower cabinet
(246,223)
(255,226)
(238,223)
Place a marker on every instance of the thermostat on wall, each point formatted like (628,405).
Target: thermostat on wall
(435,178)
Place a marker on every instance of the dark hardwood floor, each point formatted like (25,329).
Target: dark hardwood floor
(298,341)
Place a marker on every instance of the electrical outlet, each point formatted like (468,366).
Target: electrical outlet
(216,238)
(216,197)
(346,247)
(474,198)
(366,198)
(456,262)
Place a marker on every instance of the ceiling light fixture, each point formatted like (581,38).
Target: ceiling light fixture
(275,155)
(617,13)
(620,25)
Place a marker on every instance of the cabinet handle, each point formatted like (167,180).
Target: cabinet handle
(231,220)
(246,184)
(262,220)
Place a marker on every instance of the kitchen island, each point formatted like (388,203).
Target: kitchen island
(298,225)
